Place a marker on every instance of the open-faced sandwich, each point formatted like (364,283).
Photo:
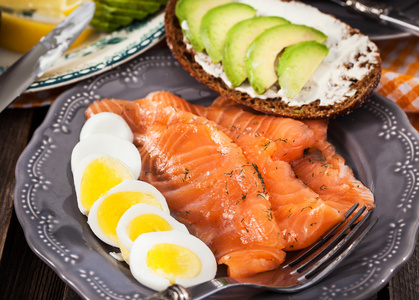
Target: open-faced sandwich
(279,57)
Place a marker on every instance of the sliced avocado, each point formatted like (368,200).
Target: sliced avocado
(136,14)
(104,25)
(148,7)
(238,40)
(262,53)
(297,64)
(216,23)
(161,2)
(111,18)
(157,1)
(190,13)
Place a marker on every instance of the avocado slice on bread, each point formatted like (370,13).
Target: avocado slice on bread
(216,23)
(297,64)
(190,14)
(262,53)
(350,71)
(238,40)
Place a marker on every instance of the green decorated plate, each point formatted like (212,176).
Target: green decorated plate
(101,52)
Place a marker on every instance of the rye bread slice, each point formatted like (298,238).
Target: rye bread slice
(363,88)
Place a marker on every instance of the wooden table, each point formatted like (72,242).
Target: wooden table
(24,276)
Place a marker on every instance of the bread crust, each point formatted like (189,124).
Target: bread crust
(364,88)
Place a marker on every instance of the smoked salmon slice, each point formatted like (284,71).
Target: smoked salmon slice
(325,171)
(301,215)
(290,136)
(322,169)
(208,183)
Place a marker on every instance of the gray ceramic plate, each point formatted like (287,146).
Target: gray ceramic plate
(377,140)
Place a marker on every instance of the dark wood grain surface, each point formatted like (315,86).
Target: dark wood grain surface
(25,276)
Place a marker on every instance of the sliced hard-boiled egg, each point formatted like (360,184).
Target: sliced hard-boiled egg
(109,123)
(143,218)
(95,175)
(159,259)
(108,209)
(110,145)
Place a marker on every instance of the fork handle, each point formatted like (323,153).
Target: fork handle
(173,292)
(369,8)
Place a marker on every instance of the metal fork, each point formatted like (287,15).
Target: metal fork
(382,12)
(298,272)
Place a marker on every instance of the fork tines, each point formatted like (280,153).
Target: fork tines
(315,263)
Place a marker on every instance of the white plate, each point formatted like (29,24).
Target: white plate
(101,52)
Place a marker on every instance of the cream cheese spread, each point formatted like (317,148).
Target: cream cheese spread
(331,81)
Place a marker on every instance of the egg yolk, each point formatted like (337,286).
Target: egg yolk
(115,205)
(173,262)
(143,224)
(146,223)
(101,175)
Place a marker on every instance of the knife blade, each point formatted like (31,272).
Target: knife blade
(382,12)
(32,65)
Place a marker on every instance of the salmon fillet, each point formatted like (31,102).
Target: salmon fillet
(322,169)
(290,136)
(301,215)
(208,183)
(325,171)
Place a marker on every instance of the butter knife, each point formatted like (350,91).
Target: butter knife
(20,75)
(382,12)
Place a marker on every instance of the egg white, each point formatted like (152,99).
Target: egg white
(143,244)
(125,186)
(110,145)
(108,123)
(138,210)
